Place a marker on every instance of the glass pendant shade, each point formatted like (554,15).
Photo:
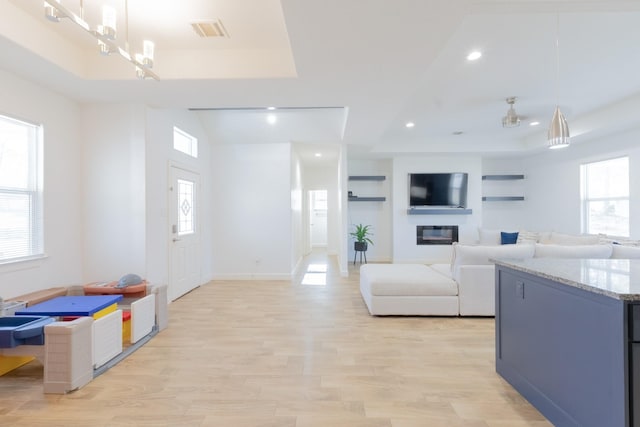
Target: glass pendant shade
(109,22)
(558,135)
(51,13)
(511,119)
(147,53)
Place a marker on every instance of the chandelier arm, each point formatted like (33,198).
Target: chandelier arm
(68,13)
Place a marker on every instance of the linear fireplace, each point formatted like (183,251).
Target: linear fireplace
(436,234)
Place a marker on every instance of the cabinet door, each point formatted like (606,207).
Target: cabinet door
(635,384)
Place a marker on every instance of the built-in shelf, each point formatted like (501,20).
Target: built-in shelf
(367,199)
(367,178)
(355,198)
(501,177)
(502,198)
(444,211)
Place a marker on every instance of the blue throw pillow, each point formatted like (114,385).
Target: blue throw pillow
(508,238)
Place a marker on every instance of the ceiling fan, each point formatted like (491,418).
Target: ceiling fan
(512,119)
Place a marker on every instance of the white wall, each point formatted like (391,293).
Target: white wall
(159,156)
(59,117)
(113,189)
(251,215)
(376,214)
(553,182)
(405,248)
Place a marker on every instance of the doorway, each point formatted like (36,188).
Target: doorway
(184,239)
(318,218)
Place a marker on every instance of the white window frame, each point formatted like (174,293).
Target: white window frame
(33,247)
(191,145)
(585,200)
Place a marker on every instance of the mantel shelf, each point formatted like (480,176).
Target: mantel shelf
(444,211)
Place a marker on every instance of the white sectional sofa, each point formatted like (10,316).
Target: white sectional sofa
(465,287)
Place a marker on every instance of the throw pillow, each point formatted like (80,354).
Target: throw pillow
(488,236)
(528,237)
(508,238)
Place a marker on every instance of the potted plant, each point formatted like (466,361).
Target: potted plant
(361,236)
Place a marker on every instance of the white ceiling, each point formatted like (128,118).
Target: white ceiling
(355,71)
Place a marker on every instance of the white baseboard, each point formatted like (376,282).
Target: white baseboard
(267,277)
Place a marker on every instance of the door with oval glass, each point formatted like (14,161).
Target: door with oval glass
(184,249)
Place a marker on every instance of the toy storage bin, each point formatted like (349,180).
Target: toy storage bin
(21,330)
(109,288)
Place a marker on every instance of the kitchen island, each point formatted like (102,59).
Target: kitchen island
(568,337)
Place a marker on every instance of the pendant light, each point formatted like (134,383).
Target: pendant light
(558,134)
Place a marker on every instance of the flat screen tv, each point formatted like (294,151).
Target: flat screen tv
(438,190)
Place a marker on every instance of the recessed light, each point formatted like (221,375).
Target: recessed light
(475,55)
(458,132)
(534,123)
(318,154)
(271,108)
(272,119)
(410,124)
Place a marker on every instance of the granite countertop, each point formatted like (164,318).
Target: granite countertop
(616,278)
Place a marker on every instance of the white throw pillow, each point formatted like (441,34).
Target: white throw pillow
(528,237)
(544,237)
(488,236)
(625,252)
(572,239)
(573,251)
(480,255)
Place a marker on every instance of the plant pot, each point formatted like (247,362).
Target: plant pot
(360,246)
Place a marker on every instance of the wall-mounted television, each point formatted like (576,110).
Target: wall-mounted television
(438,190)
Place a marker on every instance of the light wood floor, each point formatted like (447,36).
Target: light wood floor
(254,353)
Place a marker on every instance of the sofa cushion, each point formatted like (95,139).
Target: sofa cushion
(556,238)
(572,251)
(406,280)
(481,255)
(625,252)
(444,269)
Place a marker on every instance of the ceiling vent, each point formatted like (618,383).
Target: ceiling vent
(512,119)
(210,29)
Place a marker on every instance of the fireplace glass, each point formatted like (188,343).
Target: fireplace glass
(436,234)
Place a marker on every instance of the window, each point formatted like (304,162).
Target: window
(185,143)
(21,234)
(185,211)
(605,197)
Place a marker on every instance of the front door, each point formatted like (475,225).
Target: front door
(184,252)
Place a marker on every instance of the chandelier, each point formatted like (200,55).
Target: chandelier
(105,34)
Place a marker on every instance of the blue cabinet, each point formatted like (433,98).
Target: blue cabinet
(568,351)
